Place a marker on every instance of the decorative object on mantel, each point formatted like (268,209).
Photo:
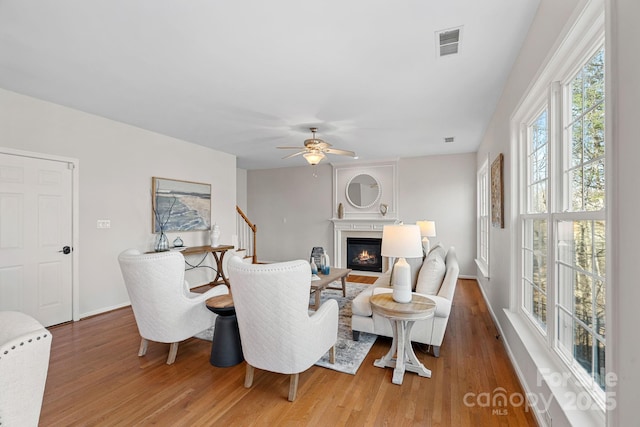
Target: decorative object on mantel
(340,211)
(401,241)
(497,192)
(383,208)
(215,235)
(177,242)
(427,229)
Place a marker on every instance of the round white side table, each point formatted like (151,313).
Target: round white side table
(402,317)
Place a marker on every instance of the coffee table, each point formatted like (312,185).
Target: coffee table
(402,317)
(318,286)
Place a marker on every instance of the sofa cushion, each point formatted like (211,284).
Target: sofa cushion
(431,274)
(438,250)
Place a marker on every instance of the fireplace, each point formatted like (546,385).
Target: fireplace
(363,254)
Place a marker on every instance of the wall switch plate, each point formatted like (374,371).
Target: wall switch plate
(103,223)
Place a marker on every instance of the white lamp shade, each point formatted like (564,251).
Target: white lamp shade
(427,228)
(401,241)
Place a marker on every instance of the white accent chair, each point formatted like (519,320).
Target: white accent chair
(277,332)
(25,346)
(164,308)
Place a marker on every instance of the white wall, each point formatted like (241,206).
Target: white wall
(441,188)
(623,62)
(550,21)
(241,189)
(291,209)
(623,34)
(116,163)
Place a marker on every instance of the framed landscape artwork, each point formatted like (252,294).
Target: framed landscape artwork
(180,205)
(497,193)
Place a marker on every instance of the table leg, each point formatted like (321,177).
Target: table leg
(389,359)
(344,286)
(412,363)
(398,371)
(220,271)
(401,356)
(317,301)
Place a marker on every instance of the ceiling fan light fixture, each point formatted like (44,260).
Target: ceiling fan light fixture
(313,158)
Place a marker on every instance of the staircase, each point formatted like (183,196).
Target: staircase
(246,232)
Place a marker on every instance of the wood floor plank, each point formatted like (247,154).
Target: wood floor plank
(96,379)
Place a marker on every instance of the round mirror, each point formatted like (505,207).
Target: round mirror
(363,191)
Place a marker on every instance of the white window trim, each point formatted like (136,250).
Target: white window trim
(575,48)
(483,203)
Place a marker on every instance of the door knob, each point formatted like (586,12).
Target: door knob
(66,250)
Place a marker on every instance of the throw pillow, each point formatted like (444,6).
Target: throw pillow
(438,250)
(431,274)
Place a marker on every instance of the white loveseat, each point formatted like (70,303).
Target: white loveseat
(430,279)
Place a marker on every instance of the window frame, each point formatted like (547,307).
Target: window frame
(570,56)
(483,218)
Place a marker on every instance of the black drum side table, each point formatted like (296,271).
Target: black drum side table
(226,348)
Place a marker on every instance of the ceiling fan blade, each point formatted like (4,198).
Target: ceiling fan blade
(294,154)
(340,152)
(291,148)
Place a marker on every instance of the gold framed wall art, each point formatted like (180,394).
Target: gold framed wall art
(497,192)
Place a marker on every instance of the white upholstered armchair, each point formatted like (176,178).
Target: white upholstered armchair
(277,332)
(24,362)
(164,308)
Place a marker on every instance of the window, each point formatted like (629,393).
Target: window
(535,221)
(562,214)
(580,237)
(482,259)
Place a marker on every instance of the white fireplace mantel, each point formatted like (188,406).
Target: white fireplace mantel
(343,228)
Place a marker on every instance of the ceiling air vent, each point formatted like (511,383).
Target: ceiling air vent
(448,139)
(448,41)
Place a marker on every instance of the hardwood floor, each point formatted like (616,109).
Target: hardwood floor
(96,379)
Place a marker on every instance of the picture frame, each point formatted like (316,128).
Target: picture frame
(497,192)
(180,205)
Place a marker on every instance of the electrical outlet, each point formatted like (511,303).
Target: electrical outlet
(103,223)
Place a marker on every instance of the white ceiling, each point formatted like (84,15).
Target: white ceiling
(246,76)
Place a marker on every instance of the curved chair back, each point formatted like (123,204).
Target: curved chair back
(159,298)
(272,306)
(24,361)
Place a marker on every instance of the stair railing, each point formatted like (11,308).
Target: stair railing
(246,236)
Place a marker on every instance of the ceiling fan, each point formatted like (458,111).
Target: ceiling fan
(314,149)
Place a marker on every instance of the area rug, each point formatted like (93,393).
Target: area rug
(349,353)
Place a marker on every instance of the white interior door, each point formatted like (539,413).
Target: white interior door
(35,227)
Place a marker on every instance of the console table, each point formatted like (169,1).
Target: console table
(402,317)
(218,255)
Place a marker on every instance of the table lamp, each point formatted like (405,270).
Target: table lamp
(427,229)
(401,241)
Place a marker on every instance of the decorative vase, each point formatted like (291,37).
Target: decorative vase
(163,243)
(340,211)
(314,267)
(178,243)
(326,264)
(215,235)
